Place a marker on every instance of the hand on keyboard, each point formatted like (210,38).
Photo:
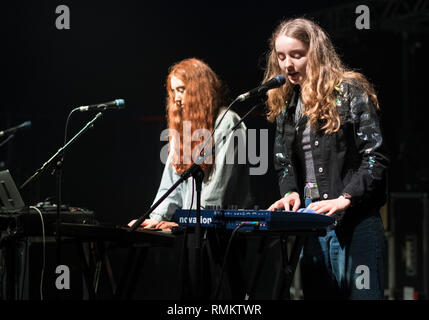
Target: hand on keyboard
(155,224)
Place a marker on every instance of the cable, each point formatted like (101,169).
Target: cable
(214,129)
(65,130)
(223,116)
(44,250)
(24,264)
(3,294)
(242,224)
(187,218)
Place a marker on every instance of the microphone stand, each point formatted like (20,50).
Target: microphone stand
(7,139)
(58,170)
(197,173)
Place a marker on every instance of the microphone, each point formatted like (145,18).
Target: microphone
(275,82)
(23,125)
(111,105)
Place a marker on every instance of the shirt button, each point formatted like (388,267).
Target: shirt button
(325,196)
(320,169)
(316,143)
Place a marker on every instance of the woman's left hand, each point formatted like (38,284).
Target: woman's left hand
(330,206)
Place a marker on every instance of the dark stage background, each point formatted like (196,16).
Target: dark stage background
(122,49)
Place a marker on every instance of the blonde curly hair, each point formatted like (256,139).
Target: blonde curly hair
(324,72)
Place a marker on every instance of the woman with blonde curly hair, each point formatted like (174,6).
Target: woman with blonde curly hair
(330,158)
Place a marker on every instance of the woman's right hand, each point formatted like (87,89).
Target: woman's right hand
(288,201)
(147,223)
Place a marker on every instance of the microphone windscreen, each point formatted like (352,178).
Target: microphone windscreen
(120,102)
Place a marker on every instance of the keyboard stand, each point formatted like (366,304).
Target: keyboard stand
(137,242)
(261,254)
(129,278)
(286,271)
(91,264)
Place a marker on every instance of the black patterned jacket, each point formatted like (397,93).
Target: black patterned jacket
(352,160)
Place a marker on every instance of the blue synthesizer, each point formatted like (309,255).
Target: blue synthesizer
(255,219)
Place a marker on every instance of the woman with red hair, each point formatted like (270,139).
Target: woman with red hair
(195,98)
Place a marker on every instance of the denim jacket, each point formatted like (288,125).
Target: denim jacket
(352,160)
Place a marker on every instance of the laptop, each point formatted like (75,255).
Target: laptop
(10,198)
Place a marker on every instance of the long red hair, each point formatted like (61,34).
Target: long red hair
(203,97)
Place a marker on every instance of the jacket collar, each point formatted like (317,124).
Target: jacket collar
(294,98)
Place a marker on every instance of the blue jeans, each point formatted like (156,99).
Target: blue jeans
(345,266)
